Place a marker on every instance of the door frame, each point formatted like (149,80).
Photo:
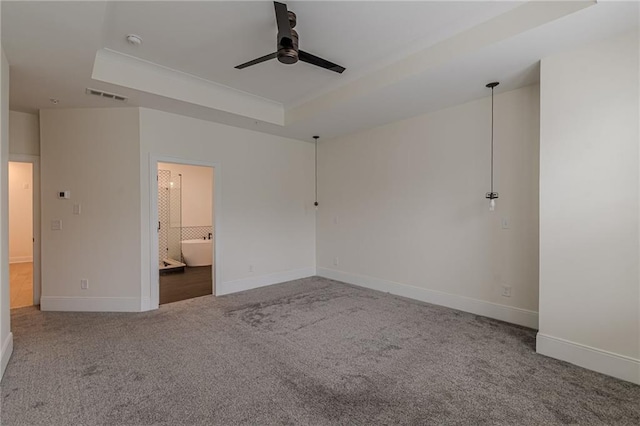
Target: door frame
(35,176)
(216,210)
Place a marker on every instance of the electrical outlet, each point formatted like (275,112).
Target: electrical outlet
(505,223)
(336,261)
(506,291)
(250,268)
(84,284)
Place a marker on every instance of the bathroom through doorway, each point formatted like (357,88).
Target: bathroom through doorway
(186,233)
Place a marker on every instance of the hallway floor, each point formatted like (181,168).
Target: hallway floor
(21,284)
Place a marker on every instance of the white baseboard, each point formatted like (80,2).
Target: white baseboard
(505,313)
(145,304)
(261,281)
(90,304)
(20,259)
(619,366)
(7,350)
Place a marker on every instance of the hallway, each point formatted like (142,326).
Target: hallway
(21,284)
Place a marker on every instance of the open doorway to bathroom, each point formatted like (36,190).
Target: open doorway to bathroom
(21,234)
(185,231)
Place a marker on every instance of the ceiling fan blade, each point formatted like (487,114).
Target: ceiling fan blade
(323,63)
(282,19)
(257,61)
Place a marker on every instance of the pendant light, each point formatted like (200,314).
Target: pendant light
(492,196)
(316,156)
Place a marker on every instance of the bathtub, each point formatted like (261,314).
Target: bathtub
(197,252)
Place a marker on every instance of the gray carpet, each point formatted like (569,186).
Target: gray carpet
(311,351)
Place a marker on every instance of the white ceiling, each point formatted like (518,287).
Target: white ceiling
(208,39)
(402,58)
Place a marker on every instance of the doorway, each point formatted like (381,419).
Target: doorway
(24,253)
(185,231)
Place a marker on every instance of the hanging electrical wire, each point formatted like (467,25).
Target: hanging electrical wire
(492,196)
(316,168)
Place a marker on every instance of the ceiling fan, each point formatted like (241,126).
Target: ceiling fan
(288,52)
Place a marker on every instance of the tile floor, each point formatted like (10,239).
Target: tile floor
(21,284)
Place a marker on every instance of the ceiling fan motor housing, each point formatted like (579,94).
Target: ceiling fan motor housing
(288,52)
(287,44)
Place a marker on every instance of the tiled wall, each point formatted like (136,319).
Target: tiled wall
(171,234)
(164,177)
(196,232)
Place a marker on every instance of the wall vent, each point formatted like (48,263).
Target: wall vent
(107,95)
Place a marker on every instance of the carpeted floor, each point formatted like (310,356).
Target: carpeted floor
(311,351)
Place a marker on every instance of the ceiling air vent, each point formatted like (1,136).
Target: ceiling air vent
(107,95)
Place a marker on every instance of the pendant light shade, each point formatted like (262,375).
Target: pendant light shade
(492,196)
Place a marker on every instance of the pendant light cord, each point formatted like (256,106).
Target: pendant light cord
(491,195)
(492,139)
(316,168)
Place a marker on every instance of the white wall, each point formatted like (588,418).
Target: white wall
(197,193)
(102,156)
(403,207)
(6,338)
(265,217)
(20,212)
(24,133)
(95,154)
(589,208)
